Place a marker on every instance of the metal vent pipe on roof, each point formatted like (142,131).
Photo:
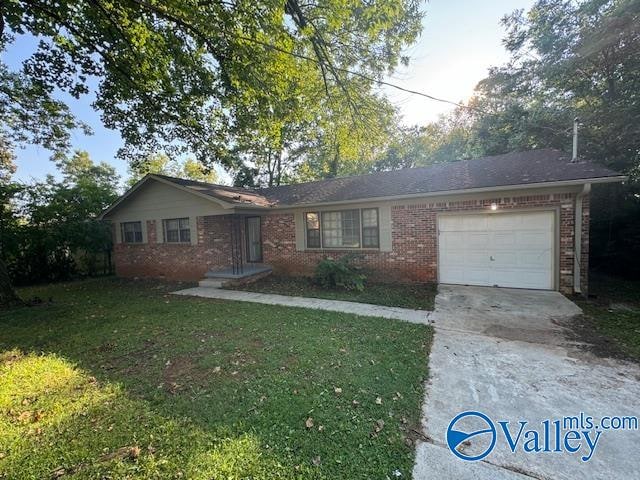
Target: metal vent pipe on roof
(574,157)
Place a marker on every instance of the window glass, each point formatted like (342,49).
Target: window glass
(343,229)
(350,228)
(132,232)
(313,230)
(370,229)
(176,230)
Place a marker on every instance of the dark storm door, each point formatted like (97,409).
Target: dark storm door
(254,240)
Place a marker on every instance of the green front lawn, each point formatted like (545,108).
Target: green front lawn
(417,296)
(118,379)
(613,312)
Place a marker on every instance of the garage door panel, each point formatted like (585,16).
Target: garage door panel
(535,260)
(534,239)
(518,279)
(453,241)
(508,250)
(476,240)
(504,239)
(475,223)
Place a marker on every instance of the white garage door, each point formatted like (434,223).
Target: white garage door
(501,249)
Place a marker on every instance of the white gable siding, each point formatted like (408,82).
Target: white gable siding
(157,201)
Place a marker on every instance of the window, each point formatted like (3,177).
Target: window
(176,230)
(313,230)
(131,232)
(343,229)
(370,229)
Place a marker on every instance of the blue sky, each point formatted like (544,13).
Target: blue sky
(459,42)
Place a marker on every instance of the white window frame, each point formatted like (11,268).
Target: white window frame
(123,233)
(180,240)
(320,214)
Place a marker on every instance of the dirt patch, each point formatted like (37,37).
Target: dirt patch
(582,329)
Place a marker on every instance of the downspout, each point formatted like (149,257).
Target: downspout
(577,237)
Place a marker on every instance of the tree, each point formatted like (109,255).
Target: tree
(342,144)
(163,165)
(56,222)
(8,295)
(165,69)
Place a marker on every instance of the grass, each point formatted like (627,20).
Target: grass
(613,311)
(416,296)
(118,379)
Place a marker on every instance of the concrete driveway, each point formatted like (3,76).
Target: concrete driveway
(505,353)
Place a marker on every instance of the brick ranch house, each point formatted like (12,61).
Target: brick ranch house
(516,220)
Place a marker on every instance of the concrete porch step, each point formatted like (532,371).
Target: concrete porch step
(226,276)
(211,282)
(247,271)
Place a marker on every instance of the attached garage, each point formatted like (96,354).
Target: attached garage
(498,249)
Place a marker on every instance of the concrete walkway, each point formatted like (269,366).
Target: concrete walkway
(365,309)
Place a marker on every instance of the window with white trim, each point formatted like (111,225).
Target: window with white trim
(355,228)
(176,230)
(131,232)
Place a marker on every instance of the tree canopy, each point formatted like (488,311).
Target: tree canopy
(174,76)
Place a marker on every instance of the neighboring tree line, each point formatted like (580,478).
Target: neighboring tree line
(49,230)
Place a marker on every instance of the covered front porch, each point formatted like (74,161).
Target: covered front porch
(245,245)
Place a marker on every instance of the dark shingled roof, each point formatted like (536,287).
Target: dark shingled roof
(520,168)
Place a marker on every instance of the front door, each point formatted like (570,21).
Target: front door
(254,240)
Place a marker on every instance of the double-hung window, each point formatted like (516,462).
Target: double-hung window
(356,228)
(176,230)
(131,232)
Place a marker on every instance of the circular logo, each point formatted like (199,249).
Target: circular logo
(476,425)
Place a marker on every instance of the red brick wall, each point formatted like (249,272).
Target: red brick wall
(414,244)
(414,255)
(177,261)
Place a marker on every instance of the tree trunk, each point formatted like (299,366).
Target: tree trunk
(8,296)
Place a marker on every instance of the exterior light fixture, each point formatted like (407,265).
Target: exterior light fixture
(494,206)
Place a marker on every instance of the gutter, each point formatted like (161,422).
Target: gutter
(577,237)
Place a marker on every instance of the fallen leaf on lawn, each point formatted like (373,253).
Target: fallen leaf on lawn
(121,453)
(309,423)
(343,350)
(24,416)
(134,452)
(316,460)
(379,425)
(379,401)
(320,428)
(337,390)
(355,403)
(58,472)
(216,369)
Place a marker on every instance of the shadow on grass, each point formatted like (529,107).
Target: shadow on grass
(78,425)
(207,388)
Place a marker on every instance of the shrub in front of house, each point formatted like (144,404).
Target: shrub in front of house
(340,273)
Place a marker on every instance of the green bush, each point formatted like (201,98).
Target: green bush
(340,273)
